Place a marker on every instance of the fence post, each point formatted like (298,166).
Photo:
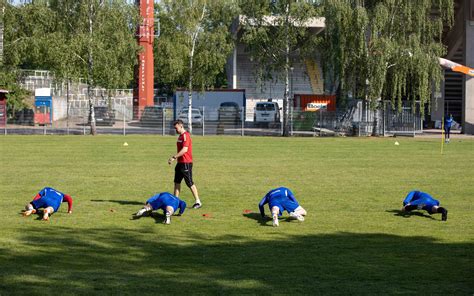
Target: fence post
(421,124)
(320,121)
(414,125)
(383,118)
(67,118)
(84,123)
(44,123)
(123,115)
(203,125)
(291,118)
(242,116)
(281,125)
(163,121)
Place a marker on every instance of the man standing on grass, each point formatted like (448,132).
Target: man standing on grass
(184,167)
(50,200)
(279,200)
(417,200)
(165,201)
(448,122)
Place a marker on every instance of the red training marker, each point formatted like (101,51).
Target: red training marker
(247,211)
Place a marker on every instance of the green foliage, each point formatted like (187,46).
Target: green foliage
(385,49)
(16,95)
(54,35)
(275,35)
(353,241)
(180,20)
(266,40)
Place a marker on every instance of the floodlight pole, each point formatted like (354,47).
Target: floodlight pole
(144,92)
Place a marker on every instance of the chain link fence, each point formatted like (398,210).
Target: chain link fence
(357,119)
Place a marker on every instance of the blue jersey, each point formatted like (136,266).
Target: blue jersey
(50,197)
(162,200)
(282,198)
(448,122)
(420,199)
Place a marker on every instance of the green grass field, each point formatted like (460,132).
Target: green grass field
(353,241)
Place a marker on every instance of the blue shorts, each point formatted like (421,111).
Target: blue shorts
(287,205)
(47,201)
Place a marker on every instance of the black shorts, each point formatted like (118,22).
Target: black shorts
(184,170)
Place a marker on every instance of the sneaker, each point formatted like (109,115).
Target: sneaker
(45,217)
(167,219)
(275,221)
(197,205)
(444,215)
(140,213)
(297,216)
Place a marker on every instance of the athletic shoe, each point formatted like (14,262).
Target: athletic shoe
(444,215)
(297,216)
(168,219)
(45,217)
(275,221)
(140,213)
(197,205)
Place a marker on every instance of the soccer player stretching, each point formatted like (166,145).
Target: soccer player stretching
(417,200)
(50,200)
(184,167)
(279,200)
(165,201)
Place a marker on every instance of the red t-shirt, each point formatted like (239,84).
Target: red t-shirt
(184,140)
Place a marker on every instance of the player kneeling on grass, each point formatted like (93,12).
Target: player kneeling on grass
(50,200)
(279,200)
(165,201)
(417,200)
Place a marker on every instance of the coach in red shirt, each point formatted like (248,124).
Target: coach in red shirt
(184,167)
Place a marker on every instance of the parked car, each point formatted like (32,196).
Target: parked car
(152,116)
(104,116)
(196,116)
(229,112)
(266,113)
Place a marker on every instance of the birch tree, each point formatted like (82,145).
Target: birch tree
(194,43)
(385,49)
(275,35)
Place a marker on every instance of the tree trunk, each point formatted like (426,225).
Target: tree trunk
(286,132)
(90,79)
(190,92)
(68,85)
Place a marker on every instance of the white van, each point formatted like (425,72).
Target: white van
(266,113)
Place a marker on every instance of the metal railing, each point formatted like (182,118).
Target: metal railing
(118,118)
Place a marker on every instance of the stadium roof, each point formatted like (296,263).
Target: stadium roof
(316,24)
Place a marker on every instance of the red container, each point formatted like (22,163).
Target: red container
(302,101)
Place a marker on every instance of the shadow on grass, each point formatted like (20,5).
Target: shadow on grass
(257,217)
(122,202)
(122,261)
(412,213)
